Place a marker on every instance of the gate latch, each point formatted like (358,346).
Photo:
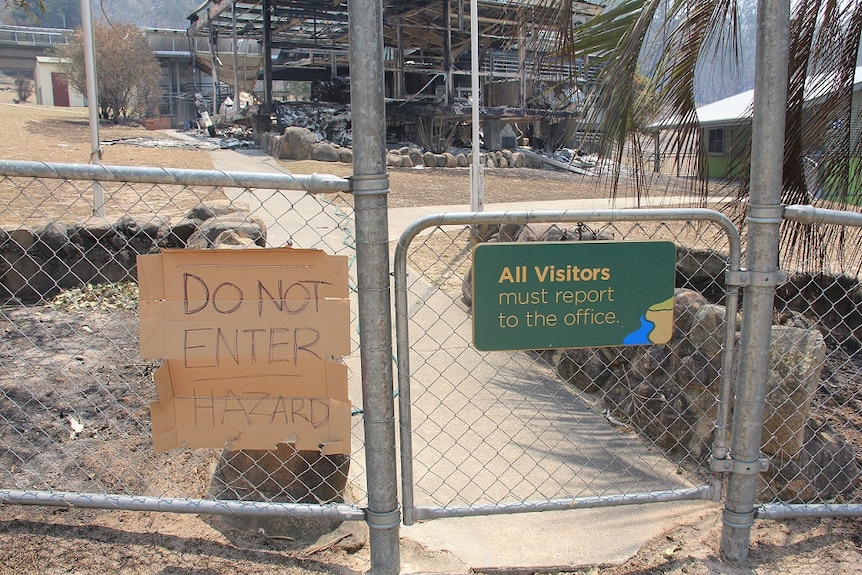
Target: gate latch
(731,465)
(743,278)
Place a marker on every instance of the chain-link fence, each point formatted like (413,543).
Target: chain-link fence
(482,432)
(75,393)
(820,466)
(490,432)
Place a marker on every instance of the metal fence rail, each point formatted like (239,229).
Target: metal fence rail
(505,432)
(74,391)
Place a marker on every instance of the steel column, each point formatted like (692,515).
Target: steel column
(92,101)
(267,54)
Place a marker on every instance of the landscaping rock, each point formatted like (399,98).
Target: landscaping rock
(297,143)
(281,475)
(210,229)
(144,233)
(216,208)
(324,152)
(825,468)
(833,302)
(416,157)
(35,264)
(179,234)
(345,155)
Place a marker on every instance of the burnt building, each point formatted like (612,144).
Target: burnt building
(524,83)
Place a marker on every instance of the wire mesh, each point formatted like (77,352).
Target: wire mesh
(488,428)
(75,393)
(512,429)
(822,464)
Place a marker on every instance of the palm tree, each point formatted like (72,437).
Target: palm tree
(824,44)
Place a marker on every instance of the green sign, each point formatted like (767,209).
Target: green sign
(546,295)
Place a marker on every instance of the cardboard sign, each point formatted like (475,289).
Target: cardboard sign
(251,341)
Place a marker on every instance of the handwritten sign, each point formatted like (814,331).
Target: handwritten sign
(251,341)
(548,295)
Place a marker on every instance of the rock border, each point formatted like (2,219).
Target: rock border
(297,143)
(36,263)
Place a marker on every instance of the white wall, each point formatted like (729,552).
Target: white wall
(44,88)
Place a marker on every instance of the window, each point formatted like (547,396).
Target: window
(716,141)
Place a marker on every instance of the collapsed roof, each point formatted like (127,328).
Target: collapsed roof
(427,60)
(314,33)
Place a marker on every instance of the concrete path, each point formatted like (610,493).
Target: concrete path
(461,401)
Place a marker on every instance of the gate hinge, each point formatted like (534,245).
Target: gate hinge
(730,465)
(743,278)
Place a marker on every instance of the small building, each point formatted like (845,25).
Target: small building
(19,46)
(725,129)
(52,84)
(23,52)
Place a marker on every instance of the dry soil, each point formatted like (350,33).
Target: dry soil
(51,540)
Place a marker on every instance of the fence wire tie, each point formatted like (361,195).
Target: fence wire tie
(385,421)
(370,289)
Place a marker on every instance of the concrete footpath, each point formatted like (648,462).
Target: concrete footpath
(545,542)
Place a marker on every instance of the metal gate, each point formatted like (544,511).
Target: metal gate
(507,432)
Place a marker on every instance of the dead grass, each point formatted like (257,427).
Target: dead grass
(61,135)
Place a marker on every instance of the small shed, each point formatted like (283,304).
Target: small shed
(52,84)
(726,126)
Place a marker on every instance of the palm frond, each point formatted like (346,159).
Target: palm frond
(600,38)
(820,128)
(823,147)
(618,37)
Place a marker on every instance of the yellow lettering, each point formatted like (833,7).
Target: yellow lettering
(506,276)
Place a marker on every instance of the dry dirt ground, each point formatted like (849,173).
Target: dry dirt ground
(52,540)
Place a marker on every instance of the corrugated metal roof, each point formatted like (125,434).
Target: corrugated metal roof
(732,108)
(740,106)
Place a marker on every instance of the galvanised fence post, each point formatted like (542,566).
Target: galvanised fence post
(370,187)
(761,276)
